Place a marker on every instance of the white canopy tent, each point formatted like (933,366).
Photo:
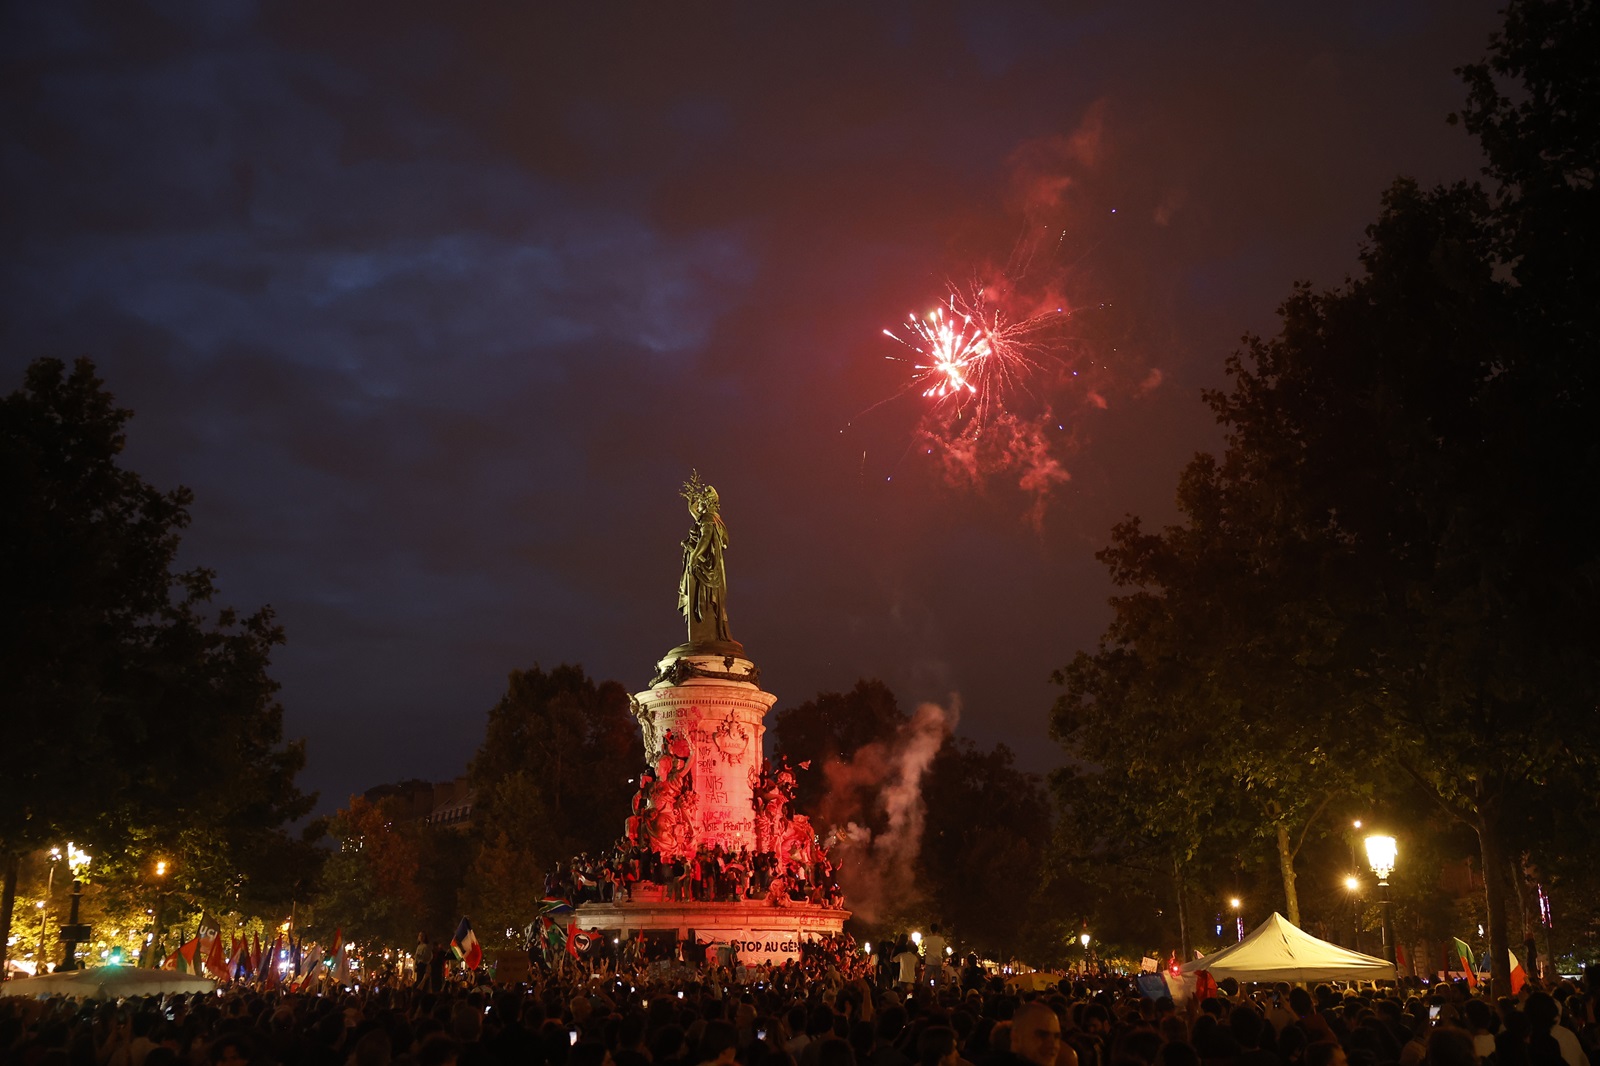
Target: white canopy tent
(107,982)
(1278,951)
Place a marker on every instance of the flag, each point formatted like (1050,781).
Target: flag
(1461,956)
(255,958)
(183,959)
(465,945)
(1519,977)
(341,962)
(582,942)
(270,963)
(216,960)
(239,957)
(311,964)
(294,954)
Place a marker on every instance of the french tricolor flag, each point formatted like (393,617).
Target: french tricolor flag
(466,946)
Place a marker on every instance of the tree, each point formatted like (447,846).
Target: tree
(506,869)
(985,816)
(1213,661)
(136,713)
(1415,452)
(834,727)
(371,884)
(578,749)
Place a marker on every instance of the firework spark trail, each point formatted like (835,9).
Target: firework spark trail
(971,356)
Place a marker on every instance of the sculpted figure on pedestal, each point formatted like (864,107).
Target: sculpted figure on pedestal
(703,588)
(669,815)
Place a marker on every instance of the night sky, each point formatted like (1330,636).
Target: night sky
(435,306)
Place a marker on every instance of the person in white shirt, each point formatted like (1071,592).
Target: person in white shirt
(933,949)
(907,960)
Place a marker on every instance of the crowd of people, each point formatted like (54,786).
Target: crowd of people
(712,874)
(828,1008)
(654,857)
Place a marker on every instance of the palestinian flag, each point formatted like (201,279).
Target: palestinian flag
(183,960)
(1461,958)
(465,945)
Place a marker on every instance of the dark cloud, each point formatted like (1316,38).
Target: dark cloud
(434,307)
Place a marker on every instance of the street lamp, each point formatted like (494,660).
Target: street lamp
(1238,916)
(38,958)
(73,933)
(153,943)
(1381,853)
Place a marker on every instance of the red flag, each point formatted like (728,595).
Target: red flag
(255,957)
(216,961)
(272,975)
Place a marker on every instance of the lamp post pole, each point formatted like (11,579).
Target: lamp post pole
(44,915)
(69,959)
(1381,853)
(1354,886)
(1388,929)
(72,934)
(154,947)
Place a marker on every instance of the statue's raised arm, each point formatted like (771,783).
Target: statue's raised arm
(703,589)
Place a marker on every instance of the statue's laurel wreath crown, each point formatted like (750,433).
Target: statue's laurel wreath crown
(697,491)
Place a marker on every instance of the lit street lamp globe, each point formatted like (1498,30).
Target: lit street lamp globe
(1381,852)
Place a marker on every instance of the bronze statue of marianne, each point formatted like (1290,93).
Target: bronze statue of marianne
(703,589)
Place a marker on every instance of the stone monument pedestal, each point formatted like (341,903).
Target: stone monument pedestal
(703,719)
(762,931)
(713,707)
